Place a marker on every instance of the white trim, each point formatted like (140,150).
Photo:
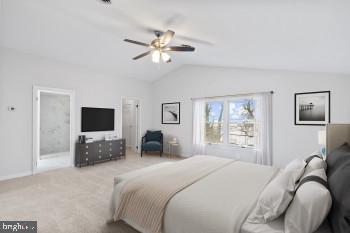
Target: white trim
(9,177)
(36,119)
(54,155)
(138,119)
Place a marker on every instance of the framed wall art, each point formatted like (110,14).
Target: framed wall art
(313,108)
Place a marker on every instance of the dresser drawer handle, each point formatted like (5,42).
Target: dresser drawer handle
(99,156)
(86,153)
(86,147)
(110,143)
(121,142)
(121,147)
(86,159)
(110,149)
(110,155)
(99,145)
(99,151)
(121,153)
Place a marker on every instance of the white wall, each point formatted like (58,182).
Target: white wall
(19,72)
(289,141)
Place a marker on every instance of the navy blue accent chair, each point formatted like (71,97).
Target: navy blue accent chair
(152,141)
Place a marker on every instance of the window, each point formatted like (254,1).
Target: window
(231,122)
(242,122)
(221,126)
(214,122)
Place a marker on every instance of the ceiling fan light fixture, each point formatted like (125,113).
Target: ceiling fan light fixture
(166,57)
(159,47)
(156,56)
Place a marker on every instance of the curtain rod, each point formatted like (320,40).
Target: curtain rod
(234,95)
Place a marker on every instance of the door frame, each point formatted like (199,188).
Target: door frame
(138,120)
(36,122)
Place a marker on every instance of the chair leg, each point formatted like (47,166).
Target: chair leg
(141,153)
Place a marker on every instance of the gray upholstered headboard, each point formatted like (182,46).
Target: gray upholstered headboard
(337,135)
(338,175)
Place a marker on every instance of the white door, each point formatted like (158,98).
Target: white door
(130,123)
(52,135)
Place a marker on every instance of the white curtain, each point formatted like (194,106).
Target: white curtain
(263,115)
(198,127)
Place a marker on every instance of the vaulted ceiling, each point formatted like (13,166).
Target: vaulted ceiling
(301,35)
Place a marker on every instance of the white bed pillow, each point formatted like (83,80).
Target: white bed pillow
(275,198)
(310,206)
(314,164)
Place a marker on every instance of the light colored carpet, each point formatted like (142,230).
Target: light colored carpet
(70,200)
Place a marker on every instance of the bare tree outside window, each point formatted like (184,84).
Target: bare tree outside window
(214,122)
(242,122)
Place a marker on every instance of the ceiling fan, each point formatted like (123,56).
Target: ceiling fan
(160,47)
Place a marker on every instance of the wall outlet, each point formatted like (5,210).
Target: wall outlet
(11,108)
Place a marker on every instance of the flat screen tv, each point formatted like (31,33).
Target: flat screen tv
(97,119)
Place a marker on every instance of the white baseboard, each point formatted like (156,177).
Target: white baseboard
(38,170)
(28,173)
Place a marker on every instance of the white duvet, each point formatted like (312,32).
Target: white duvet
(218,203)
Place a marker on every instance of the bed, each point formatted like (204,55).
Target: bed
(218,201)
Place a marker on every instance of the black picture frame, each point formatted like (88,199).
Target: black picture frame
(176,114)
(298,108)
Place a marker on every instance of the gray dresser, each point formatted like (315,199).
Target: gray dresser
(90,153)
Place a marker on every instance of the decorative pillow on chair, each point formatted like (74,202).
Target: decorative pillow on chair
(153,135)
(275,198)
(310,206)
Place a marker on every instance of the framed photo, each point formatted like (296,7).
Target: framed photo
(313,108)
(171,113)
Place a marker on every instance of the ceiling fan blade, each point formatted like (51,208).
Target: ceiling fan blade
(137,42)
(194,40)
(166,37)
(186,48)
(142,55)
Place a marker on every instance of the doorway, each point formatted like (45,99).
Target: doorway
(131,123)
(53,121)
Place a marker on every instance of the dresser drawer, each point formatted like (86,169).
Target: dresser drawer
(117,147)
(85,146)
(111,155)
(87,149)
(110,149)
(110,143)
(120,153)
(84,159)
(100,150)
